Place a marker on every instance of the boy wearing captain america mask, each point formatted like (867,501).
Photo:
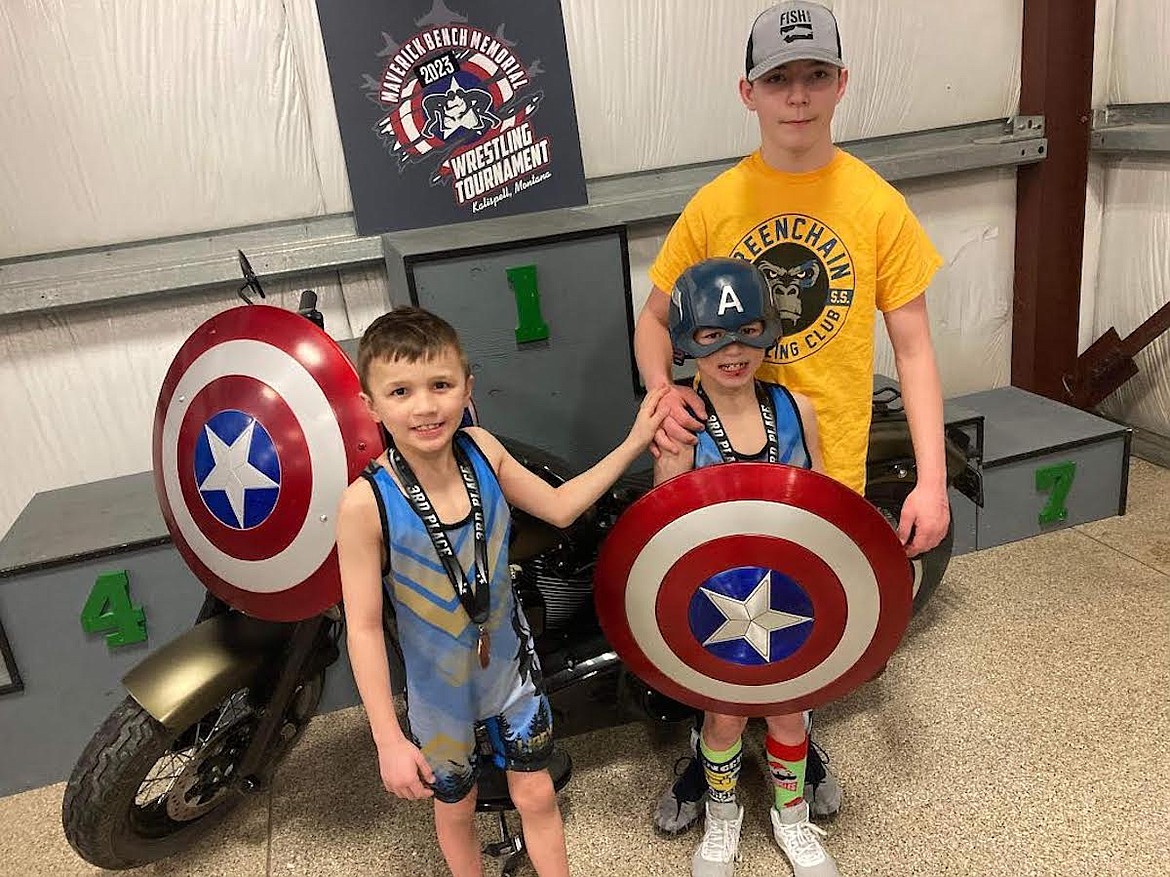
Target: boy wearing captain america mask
(722,315)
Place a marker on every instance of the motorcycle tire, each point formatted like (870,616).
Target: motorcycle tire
(929,567)
(101,816)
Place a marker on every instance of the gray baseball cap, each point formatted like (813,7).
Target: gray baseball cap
(795,31)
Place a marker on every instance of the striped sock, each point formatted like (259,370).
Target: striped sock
(786,763)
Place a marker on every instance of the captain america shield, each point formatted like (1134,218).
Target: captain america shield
(753,589)
(258,429)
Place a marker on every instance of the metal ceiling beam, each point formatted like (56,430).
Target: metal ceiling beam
(178,265)
(199,262)
(1131,128)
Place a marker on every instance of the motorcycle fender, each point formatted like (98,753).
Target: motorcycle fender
(182,681)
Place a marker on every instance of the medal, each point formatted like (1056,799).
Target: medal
(483,647)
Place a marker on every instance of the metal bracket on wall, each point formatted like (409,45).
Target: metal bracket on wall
(1009,142)
(1131,128)
(201,262)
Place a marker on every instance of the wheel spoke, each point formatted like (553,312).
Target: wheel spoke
(184,783)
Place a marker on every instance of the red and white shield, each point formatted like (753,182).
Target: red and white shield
(257,431)
(753,589)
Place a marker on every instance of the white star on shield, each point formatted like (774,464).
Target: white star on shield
(751,619)
(232,473)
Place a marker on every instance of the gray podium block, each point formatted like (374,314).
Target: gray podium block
(1026,433)
(573,394)
(964,522)
(72,679)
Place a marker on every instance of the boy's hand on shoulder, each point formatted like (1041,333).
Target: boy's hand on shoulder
(680,425)
(404,769)
(651,414)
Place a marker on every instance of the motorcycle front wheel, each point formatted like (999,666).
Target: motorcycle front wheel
(141,792)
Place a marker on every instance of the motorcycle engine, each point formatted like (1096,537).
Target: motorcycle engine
(563,588)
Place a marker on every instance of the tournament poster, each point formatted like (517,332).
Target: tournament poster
(452,110)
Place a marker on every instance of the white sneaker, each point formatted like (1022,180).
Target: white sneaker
(798,838)
(719,850)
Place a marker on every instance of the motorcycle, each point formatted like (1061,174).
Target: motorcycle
(210,716)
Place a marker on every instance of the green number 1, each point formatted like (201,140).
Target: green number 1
(532,326)
(1058,481)
(109,609)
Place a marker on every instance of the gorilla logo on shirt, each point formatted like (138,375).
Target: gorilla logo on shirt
(810,277)
(786,285)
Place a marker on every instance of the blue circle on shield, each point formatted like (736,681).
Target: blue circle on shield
(237,469)
(751,616)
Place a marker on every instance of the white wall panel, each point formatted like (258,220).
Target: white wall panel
(130,119)
(1129,200)
(366,296)
(1140,68)
(1104,19)
(79,391)
(660,88)
(1133,281)
(313,78)
(1094,217)
(971,220)
(141,120)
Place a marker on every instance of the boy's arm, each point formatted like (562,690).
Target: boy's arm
(560,506)
(927,508)
(653,353)
(812,431)
(359,554)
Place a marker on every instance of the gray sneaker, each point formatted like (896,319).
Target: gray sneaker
(681,803)
(799,840)
(719,850)
(821,788)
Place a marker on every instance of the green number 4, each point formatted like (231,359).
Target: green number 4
(109,609)
(1058,481)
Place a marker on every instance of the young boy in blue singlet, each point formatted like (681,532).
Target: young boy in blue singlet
(721,314)
(426,527)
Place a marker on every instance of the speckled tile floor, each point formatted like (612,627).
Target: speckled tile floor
(1021,729)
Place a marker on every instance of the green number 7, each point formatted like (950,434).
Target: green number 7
(1058,481)
(109,608)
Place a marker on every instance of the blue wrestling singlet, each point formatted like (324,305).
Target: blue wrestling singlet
(789,434)
(451,700)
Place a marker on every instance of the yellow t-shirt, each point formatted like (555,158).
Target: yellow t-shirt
(836,244)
